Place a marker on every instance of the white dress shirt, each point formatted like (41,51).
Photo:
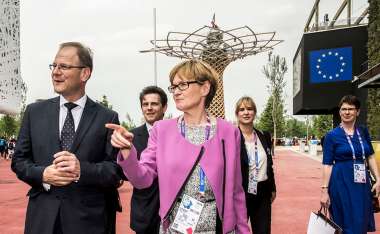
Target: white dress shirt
(77,111)
(148,127)
(77,114)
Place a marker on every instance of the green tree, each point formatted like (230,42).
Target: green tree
(129,123)
(373,117)
(321,125)
(20,117)
(275,71)
(265,121)
(104,102)
(168,116)
(295,128)
(8,126)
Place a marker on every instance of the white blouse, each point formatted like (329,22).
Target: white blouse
(250,146)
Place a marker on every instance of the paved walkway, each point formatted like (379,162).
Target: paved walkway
(297,177)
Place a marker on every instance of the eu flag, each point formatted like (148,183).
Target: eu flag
(330,65)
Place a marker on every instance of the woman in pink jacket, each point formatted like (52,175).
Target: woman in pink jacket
(196,158)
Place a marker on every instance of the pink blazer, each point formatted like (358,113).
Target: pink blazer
(171,157)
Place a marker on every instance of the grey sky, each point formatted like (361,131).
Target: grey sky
(116,30)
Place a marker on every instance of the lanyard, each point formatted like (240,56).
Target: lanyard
(352,146)
(202,175)
(256,157)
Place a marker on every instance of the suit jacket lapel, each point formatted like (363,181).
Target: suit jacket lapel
(263,141)
(144,136)
(243,152)
(141,139)
(85,122)
(53,116)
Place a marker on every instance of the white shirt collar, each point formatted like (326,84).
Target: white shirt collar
(80,102)
(148,127)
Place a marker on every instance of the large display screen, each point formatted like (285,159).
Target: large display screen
(330,65)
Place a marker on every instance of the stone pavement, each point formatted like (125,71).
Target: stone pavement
(297,177)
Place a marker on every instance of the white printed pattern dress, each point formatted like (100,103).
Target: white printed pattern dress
(207,221)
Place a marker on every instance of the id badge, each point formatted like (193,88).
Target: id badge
(187,215)
(359,173)
(252,184)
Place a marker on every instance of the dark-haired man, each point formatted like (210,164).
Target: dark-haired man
(63,153)
(145,202)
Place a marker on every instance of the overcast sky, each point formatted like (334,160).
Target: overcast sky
(117,30)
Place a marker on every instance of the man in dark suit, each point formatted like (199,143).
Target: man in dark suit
(145,202)
(63,153)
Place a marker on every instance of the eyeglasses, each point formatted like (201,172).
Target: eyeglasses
(347,109)
(183,85)
(63,67)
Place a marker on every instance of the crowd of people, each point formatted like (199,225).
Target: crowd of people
(7,147)
(194,173)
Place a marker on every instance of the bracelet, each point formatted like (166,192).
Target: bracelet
(324,187)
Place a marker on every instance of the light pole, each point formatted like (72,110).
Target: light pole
(155,46)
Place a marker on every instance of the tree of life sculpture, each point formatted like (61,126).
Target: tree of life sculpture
(218,48)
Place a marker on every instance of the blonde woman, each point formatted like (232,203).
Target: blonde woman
(256,167)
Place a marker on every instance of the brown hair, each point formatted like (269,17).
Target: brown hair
(197,70)
(154,90)
(246,101)
(350,100)
(84,53)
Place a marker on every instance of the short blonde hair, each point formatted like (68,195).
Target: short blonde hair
(246,101)
(197,70)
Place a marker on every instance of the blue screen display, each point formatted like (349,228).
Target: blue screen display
(330,65)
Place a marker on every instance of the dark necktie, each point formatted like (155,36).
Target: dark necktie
(68,129)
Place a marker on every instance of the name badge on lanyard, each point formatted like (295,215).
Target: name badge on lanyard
(253,175)
(359,168)
(359,173)
(187,215)
(202,175)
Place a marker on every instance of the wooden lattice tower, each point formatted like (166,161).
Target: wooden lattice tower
(218,48)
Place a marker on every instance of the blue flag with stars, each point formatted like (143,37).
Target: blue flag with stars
(330,65)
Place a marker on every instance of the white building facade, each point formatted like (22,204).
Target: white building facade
(12,87)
